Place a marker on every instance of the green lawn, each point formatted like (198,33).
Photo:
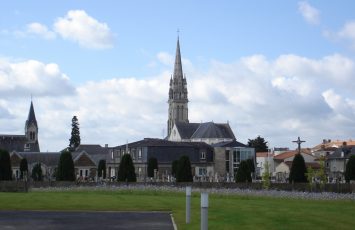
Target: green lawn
(225,212)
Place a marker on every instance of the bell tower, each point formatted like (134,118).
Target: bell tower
(31,131)
(178,99)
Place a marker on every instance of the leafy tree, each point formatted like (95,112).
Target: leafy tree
(350,169)
(259,144)
(5,165)
(101,169)
(243,173)
(74,140)
(126,170)
(298,170)
(183,173)
(37,172)
(65,170)
(321,174)
(152,164)
(174,167)
(23,167)
(310,174)
(266,176)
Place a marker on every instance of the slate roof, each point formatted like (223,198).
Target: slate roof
(233,143)
(337,154)
(213,130)
(186,130)
(47,158)
(154,142)
(13,142)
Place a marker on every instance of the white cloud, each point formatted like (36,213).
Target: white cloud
(278,99)
(40,30)
(32,77)
(348,32)
(79,27)
(309,13)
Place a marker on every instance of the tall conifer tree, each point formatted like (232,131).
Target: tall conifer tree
(74,140)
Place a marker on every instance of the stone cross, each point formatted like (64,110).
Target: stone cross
(299,142)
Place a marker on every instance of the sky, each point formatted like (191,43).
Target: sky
(278,69)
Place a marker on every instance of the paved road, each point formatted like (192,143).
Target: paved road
(58,220)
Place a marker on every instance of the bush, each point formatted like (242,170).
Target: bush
(184,173)
(23,168)
(126,170)
(101,169)
(5,165)
(350,169)
(243,173)
(298,170)
(152,164)
(65,170)
(37,172)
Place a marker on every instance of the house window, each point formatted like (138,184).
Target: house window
(139,153)
(202,171)
(203,155)
(112,154)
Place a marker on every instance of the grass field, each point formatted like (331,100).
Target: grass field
(225,211)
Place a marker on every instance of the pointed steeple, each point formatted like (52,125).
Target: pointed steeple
(177,66)
(31,116)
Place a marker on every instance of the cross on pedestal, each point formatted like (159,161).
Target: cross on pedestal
(299,142)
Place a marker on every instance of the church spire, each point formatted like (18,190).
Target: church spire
(178,99)
(31,116)
(177,66)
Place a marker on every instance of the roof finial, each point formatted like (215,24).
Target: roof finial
(178,33)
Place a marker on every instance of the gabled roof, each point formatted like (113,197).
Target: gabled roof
(92,149)
(213,130)
(186,129)
(288,154)
(31,116)
(233,143)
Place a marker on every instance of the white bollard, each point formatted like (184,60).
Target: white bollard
(204,211)
(188,204)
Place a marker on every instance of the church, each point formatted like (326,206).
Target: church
(179,128)
(27,142)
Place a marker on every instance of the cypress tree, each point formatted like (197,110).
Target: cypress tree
(5,165)
(65,170)
(184,173)
(298,170)
(126,171)
(243,173)
(37,172)
(152,164)
(101,169)
(174,166)
(23,167)
(74,140)
(350,169)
